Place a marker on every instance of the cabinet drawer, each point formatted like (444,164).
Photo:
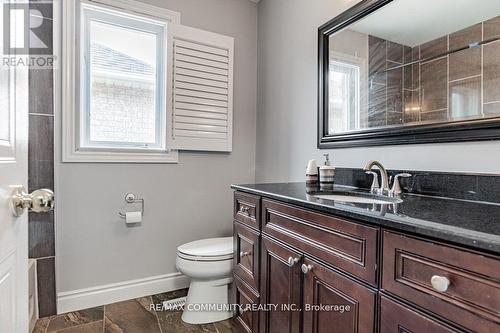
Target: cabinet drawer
(472,298)
(246,256)
(247,209)
(246,297)
(350,246)
(396,318)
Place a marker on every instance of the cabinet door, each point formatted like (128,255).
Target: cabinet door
(246,298)
(280,286)
(246,256)
(351,305)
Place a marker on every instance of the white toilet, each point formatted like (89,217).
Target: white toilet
(209,265)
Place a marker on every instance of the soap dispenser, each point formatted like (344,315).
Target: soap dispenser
(326,171)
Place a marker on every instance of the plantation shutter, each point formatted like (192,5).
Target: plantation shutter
(200,101)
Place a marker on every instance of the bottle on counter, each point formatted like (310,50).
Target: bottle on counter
(326,171)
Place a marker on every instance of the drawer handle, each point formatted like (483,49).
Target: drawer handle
(292,261)
(306,268)
(244,254)
(440,283)
(245,210)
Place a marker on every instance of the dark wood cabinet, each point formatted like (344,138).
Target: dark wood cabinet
(281,287)
(334,303)
(314,272)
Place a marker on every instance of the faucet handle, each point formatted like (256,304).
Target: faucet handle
(375,185)
(396,186)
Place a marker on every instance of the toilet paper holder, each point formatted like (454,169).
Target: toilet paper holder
(130,199)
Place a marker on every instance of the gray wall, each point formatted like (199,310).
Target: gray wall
(287,88)
(184,202)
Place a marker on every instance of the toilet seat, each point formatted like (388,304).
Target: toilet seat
(212,249)
(206,258)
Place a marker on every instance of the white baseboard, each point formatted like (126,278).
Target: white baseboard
(116,292)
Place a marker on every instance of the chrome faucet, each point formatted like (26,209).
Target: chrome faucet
(384,188)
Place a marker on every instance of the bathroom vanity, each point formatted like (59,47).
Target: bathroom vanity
(415,264)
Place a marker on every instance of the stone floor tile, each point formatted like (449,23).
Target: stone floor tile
(76,318)
(134,316)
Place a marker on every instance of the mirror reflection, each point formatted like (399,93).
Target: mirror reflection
(406,65)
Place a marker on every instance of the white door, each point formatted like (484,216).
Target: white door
(13,171)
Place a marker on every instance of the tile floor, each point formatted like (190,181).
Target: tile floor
(133,316)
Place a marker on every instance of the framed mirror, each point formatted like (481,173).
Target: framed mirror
(410,71)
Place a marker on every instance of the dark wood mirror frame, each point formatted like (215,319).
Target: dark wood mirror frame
(467,130)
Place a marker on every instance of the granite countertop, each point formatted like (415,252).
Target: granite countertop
(474,224)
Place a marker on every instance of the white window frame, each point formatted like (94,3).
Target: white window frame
(71,115)
(89,14)
(360,63)
(353,110)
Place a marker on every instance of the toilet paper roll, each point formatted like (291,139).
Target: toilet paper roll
(133,217)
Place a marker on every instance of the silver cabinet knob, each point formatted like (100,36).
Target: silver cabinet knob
(292,261)
(306,268)
(440,283)
(245,210)
(244,254)
(40,201)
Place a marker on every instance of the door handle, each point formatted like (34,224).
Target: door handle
(39,201)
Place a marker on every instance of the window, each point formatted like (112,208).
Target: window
(123,78)
(114,82)
(344,97)
(137,86)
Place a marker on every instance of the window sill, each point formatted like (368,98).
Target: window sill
(120,157)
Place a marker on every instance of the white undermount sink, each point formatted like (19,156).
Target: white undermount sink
(357,198)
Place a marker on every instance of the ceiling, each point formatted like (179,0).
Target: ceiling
(413,22)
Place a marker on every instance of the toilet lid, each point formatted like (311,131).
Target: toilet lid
(212,247)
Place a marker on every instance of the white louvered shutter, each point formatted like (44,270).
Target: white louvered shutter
(200,100)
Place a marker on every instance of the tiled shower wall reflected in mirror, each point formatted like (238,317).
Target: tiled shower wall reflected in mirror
(462,85)
(41,173)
